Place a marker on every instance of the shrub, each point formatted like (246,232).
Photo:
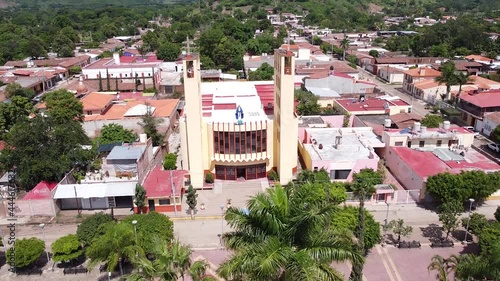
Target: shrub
(209,178)
(272,175)
(170,161)
(149,226)
(87,230)
(66,248)
(27,251)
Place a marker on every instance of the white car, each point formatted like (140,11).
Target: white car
(472,130)
(494,146)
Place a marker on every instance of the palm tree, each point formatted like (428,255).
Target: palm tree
(363,188)
(117,244)
(277,240)
(461,79)
(170,262)
(344,45)
(483,267)
(443,266)
(448,76)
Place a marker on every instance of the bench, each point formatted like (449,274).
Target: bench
(442,244)
(409,244)
(75,270)
(37,271)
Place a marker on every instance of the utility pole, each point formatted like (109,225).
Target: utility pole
(173,192)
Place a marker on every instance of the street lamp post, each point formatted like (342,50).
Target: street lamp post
(471,201)
(134,222)
(385,222)
(42,226)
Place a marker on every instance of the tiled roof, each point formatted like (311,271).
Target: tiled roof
(426,84)
(483,99)
(405,117)
(163,108)
(484,83)
(96,101)
(158,182)
(423,72)
(477,58)
(493,116)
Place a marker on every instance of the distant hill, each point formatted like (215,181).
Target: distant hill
(86,3)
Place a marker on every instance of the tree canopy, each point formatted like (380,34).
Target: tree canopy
(66,248)
(432,120)
(27,251)
(264,72)
(63,106)
(113,132)
(88,230)
(151,225)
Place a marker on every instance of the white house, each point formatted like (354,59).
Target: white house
(490,122)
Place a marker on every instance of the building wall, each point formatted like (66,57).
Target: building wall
(392,78)
(392,140)
(93,128)
(341,85)
(130,72)
(404,173)
(488,126)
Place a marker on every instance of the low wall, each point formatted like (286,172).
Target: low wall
(42,207)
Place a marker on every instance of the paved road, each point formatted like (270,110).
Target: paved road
(393,90)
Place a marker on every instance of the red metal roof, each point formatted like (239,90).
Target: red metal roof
(423,163)
(157,183)
(483,99)
(43,190)
(368,104)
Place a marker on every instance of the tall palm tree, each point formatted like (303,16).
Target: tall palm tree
(117,244)
(442,266)
(363,187)
(278,240)
(483,267)
(170,262)
(448,76)
(344,45)
(461,79)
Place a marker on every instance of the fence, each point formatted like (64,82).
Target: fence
(41,207)
(399,197)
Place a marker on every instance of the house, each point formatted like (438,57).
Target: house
(66,63)
(412,167)
(113,185)
(129,114)
(465,66)
(475,104)
(405,120)
(340,151)
(490,122)
(137,69)
(372,106)
(414,75)
(313,67)
(423,138)
(332,85)
(164,189)
(391,75)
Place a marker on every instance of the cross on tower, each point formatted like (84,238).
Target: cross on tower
(188,45)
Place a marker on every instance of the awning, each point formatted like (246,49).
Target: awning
(95,190)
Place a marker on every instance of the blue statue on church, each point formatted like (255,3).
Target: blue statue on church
(239,115)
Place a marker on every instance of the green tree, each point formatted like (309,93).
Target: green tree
(448,76)
(319,191)
(140,197)
(461,79)
(374,53)
(168,51)
(363,187)
(14,89)
(497,214)
(170,161)
(27,251)
(228,54)
(172,261)
(486,266)
(116,244)
(44,149)
(87,230)
(149,124)
(347,218)
(432,120)
(151,225)
(443,267)
(264,72)
(308,103)
(63,106)
(448,216)
(297,232)
(496,133)
(66,248)
(111,133)
(344,45)
(399,228)
(489,237)
(63,46)
(191,200)
(476,223)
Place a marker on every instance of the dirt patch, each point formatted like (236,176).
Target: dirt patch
(374,8)
(6,4)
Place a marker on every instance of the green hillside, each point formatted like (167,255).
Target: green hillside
(89,3)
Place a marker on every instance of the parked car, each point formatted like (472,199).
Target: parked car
(494,146)
(472,130)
